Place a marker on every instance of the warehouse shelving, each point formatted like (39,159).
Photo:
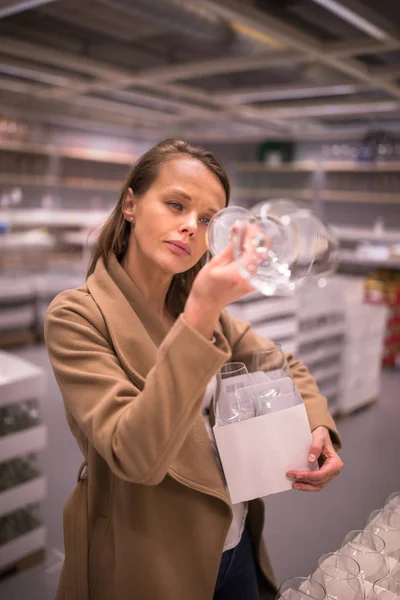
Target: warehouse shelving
(23,435)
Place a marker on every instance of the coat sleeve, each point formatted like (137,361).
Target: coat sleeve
(139,432)
(244,340)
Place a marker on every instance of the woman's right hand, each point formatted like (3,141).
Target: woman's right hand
(218,284)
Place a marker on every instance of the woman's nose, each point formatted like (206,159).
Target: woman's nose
(189,225)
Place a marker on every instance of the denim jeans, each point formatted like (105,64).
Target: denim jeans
(237,578)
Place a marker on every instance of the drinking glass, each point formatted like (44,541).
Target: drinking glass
(340,576)
(301,588)
(367,549)
(270,361)
(385,589)
(277,249)
(385,523)
(234,400)
(393,499)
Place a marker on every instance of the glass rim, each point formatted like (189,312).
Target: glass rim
(239,367)
(302,580)
(341,557)
(371,534)
(388,578)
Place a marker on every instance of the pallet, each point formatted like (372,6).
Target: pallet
(344,414)
(23,564)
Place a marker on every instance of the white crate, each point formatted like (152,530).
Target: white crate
(277,330)
(357,396)
(263,309)
(33,439)
(19,379)
(22,546)
(321,333)
(30,492)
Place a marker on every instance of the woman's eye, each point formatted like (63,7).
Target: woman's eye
(205,220)
(175,205)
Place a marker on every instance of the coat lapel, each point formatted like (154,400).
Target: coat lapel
(136,332)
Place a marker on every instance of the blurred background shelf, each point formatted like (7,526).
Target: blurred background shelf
(22,546)
(22,495)
(310,166)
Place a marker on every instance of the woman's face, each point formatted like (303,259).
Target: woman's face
(171,218)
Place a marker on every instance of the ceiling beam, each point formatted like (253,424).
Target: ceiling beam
(251,16)
(319,109)
(13,8)
(385,73)
(290,92)
(358,47)
(362,17)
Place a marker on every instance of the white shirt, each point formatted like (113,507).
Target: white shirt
(235,532)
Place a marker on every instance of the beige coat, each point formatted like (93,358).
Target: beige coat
(149,515)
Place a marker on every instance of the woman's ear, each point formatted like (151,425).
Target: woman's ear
(129,206)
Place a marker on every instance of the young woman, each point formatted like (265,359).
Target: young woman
(134,351)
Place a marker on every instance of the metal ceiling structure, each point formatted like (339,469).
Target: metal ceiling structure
(209,69)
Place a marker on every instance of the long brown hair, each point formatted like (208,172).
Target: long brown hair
(114,235)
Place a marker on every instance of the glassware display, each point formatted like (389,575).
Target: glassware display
(340,577)
(19,522)
(16,417)
(277,249)
(301,588)
(235,399)
(385,523)
(367,549)
(385,589)
(18,470)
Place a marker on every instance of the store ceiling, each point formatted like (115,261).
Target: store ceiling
(209,69)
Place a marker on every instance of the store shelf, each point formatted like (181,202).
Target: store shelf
(264,309)
(321,333)
(325,195)
(320,354)
(43,217)
(258,167)
(22,546)
(326,166)
(23,442)
(279,329)
(36,239)
(30,492)
(13,289)
(19,380)
(360,197)
(84,154)
(322,374)
(265,193)
(363,234)
(78,183)
(349,257)
(18,317)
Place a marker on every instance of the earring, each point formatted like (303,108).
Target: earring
(131,219)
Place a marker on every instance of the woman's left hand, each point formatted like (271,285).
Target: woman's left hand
(315,481)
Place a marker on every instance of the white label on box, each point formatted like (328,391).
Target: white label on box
(257,453)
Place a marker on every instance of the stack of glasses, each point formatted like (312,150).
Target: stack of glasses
(366,567)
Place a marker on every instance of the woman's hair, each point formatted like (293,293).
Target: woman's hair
(114,235)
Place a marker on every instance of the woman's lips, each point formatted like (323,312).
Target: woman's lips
(177,249)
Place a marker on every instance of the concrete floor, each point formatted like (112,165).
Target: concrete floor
(300,526)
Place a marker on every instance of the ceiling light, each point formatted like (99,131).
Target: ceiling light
(353,18)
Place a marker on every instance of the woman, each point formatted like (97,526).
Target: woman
(133,351)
